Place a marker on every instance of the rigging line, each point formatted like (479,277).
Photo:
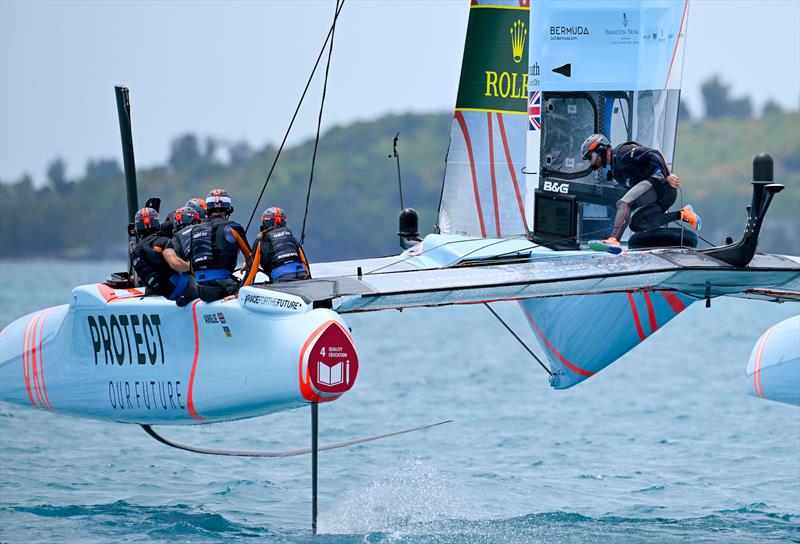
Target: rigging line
(396,155)
(680,192)
(294,116)
(532,246)
(524,345)
(409,257)
(437,228)
(319,120)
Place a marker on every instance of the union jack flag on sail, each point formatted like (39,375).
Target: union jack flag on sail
(535,111)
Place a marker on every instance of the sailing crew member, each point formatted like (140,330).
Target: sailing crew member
(176,253)
(198,205)
(214,248)
(652,188)
(276,251)
(148,260)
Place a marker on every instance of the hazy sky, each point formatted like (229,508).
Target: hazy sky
(236,69)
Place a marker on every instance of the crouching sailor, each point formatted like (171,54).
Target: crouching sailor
(148,259)
(652,188)
(214,248)
(176,253)
(276,251)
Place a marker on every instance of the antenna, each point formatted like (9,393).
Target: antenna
(396,155)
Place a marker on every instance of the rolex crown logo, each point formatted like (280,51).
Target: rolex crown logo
(518,35)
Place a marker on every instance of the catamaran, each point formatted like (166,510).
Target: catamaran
(518,206)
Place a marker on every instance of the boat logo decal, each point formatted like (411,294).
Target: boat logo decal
(218,318)
(556,187)
(518,34)
(328,363)
(265,300)
(126,338)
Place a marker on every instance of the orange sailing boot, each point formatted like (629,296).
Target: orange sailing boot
(689,216)
(609,245)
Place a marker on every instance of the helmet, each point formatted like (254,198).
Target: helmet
(185,216)
(273,217)
(146,221)
(218,200)
(198,205)
(594,144)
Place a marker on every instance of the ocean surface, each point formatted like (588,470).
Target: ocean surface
(663,446)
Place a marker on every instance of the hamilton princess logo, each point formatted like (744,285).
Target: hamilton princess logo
(518,35)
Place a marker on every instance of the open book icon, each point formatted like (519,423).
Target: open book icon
(330,375)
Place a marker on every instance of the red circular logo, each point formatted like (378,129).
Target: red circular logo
(330,364)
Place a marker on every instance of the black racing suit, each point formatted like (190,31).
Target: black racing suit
(644,171)
(153,270)
(168,225)
(279,255)
(214,250)
(181,244)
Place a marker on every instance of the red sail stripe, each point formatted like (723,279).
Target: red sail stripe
(25,372)
(47,402)
(650,312)
(561,358)
(524,3)
(675,303)
(463,124)
(636,320)
(189,395)
(494,180)
(511,170)
(677,41)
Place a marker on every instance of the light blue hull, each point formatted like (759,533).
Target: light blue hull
(773,371)
(115,355)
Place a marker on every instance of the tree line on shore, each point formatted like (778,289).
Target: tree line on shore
(354,202)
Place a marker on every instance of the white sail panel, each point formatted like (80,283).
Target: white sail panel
(483,193)
(613,68)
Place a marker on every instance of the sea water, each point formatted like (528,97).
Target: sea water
(663,446)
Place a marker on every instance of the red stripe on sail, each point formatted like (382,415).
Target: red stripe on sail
(675,303)
(189,396)
(463,124)
(636,320)
(651,314)
(511,170)
(677,41)
(494,180)
(560,357)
